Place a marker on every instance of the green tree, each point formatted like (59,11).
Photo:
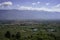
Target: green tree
(7,35)
(18,35)
(39,38)
(13,35)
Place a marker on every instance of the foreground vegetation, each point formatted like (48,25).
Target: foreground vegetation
(30,32)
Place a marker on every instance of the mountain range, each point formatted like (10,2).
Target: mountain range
(28,15)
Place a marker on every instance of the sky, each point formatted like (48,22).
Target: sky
(38,5)
(51,7)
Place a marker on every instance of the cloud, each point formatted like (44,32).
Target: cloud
(58,5)
(47,3)
(38,2)
(55,8)
(25,8)
(33,3)
(6,4)
(39,9)
(18,5)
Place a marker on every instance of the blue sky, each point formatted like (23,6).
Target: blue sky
(28,2)
(45,5)
(37,5)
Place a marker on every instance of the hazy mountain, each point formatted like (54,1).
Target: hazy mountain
(28,14)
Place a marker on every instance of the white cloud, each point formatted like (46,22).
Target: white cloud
(52,9)
(38,2)
(33,3)
(39,9)
(18,5)
(47,3)
(6,4)
(58,5)
(24,8)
